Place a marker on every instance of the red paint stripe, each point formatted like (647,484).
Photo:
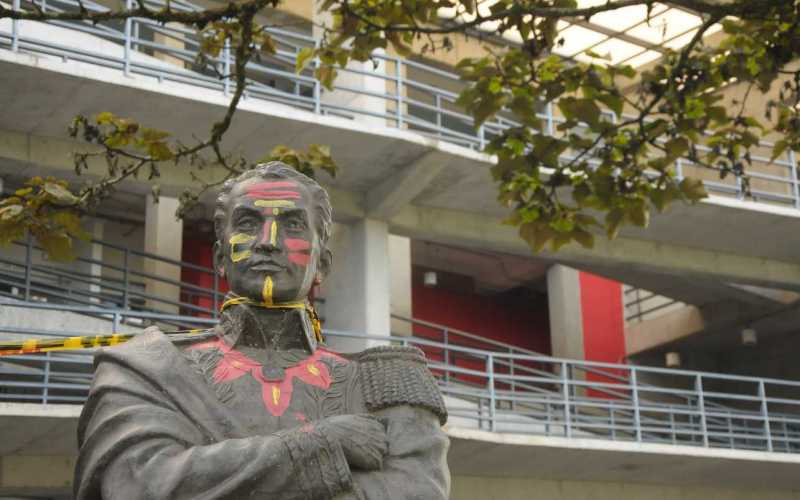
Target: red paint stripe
(266,230)
(299,258)
(273,195)
(295,244)
(270,185)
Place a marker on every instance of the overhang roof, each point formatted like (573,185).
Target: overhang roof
(630,35)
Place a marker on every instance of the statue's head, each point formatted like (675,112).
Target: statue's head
(272,225)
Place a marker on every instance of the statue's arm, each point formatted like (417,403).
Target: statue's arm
(416,465)
(397,386)
(261,467)
(136,444)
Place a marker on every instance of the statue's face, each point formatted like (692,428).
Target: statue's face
(270,249)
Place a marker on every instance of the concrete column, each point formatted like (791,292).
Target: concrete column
(400,283)
(566,318)
(96,255)
(163,236)
(357,291)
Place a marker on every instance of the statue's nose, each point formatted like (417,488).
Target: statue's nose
(269,237)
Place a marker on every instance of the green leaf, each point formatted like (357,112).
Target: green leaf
(303,57)
(71,222)
(693,189)
(639,215)
(585,238)
(326,75)
(614,102)
(585,110)
(661,198)
(676,147)
(536,234)
(104,118)
(60,194)
(268,45)
(57,245)
(10,212)
(779,148)
(614,219)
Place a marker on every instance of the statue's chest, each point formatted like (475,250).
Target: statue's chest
(267,398)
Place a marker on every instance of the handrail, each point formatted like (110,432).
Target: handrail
(554,405)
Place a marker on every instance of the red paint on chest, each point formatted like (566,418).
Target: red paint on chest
(276,394)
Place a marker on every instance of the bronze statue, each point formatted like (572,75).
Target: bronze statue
(260,407)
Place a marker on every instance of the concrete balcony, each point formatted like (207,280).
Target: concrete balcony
(516,416)
(409,156)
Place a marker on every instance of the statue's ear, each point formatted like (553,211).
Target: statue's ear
(219,259)
(325,263)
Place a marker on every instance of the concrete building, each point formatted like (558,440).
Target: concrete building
(659,365)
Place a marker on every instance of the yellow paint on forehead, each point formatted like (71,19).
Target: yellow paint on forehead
(238,239)
(266,293)
(275,204)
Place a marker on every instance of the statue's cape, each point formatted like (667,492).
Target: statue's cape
(149,370)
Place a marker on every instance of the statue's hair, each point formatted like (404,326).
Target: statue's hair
(323,214)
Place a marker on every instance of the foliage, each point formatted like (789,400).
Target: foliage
(43,207)
(608,164)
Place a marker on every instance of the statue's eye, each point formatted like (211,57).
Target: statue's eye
(295,224)
(246,224)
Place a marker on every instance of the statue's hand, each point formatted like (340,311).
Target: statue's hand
(362,438)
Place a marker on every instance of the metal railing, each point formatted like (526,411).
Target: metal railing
(399,92)
(121,279)
(550,396)
(115,289)
(641,305)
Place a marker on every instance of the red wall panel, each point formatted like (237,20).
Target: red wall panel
(513,321)
(603,324)
(199,252)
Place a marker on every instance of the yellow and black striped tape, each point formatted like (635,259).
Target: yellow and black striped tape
(32,346)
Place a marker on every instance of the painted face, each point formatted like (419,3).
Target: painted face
(270,250)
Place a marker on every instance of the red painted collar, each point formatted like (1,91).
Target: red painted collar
(276,393)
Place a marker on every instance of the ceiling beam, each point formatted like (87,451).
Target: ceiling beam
(474,230)
(387,198)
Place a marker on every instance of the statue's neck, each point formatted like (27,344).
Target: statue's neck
(268,329)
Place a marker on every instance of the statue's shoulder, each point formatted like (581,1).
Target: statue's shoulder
(150,347)
(398,375)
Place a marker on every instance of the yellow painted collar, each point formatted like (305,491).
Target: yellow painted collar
(312,313)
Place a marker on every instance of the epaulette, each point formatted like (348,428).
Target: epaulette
(395,375)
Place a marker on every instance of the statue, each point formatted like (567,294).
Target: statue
(260,407)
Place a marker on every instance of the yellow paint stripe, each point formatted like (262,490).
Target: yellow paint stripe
(275,203)
(238,239)
(276,394)
(266,293)
(30,345)
(273,233)
(73,343)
